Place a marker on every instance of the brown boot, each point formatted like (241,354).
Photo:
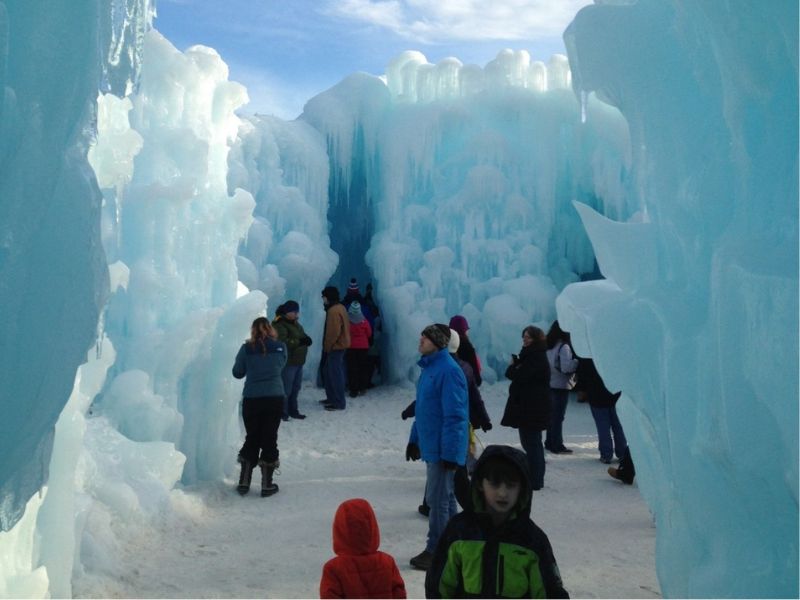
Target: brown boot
(245,476)
(268,488)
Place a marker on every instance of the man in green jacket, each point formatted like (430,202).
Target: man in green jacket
(291,333)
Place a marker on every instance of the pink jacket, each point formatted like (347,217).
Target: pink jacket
(359,335)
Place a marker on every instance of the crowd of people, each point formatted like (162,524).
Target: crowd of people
(489,548)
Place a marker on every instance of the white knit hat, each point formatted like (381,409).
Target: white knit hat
(454,343)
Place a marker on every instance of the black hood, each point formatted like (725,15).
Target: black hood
(520,461)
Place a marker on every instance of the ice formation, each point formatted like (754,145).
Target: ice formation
(287,253)
(452,188)
(157,385)
(705,295)
(456,189)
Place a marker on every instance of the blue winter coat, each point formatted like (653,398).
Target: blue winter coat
(441,417)
(263,367)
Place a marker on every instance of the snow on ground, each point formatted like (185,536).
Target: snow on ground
(221,545)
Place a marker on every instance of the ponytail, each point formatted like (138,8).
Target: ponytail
(260,330)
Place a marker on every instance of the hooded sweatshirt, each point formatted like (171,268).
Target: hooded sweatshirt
(359,569)
(477,559)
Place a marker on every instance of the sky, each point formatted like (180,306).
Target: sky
(287,51)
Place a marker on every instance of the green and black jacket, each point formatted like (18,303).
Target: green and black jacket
(291,333)
(475,559)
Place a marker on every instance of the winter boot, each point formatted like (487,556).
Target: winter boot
(245,476)
(267,486)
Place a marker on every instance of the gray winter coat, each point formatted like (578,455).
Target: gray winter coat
(562,379)
(262,369)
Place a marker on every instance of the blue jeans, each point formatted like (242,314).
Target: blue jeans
(558,406)
(292,380)
(531,440)
(441,498)
(606,421)
(334,378)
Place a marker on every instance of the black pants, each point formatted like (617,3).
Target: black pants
(373,366)
(357,369)
(262,417)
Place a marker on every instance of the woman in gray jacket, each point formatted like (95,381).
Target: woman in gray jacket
(260,360)
(562,379)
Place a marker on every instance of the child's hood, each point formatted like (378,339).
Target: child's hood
(520,461)
(355,528)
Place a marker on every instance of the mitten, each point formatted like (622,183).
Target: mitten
(412,452)
(449,466)
(409,411)
(306,341)
(486,426)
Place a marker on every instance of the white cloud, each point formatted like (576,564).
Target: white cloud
(433,21)
(270,94)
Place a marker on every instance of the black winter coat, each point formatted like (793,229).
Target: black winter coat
(466,352)
(528,403)
(478,417)
(589,381)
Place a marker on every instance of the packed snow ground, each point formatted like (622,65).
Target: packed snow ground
(221,545)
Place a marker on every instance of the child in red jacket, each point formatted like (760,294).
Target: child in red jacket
(357,358)
(359,569)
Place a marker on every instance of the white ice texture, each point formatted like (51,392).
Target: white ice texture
(697,320)
(454,189)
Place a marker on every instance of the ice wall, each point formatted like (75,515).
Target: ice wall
(53,277)
(167,409)
(287,253)
(452,186)
(173,231)
(705,295)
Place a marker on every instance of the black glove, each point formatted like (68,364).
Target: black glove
(486,426)
(409,411)
(412,452)
(305,341)
(449,466)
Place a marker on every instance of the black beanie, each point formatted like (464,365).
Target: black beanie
(439,334)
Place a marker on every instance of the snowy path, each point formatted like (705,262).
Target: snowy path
(232,547)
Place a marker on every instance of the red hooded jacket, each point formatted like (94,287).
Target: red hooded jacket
(359,569)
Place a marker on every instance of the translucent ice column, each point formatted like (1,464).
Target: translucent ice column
(287,252)
(174,231)
(697,321)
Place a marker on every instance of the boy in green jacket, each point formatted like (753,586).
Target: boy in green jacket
(493,549)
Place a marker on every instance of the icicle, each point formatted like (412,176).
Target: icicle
(584,99)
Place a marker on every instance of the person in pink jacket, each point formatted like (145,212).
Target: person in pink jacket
(356,357)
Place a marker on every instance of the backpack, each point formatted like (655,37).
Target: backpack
(570,375)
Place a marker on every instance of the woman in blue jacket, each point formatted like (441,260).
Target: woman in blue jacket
(261,360)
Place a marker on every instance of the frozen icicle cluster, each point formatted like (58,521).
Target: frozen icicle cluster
(697,320)
(287,252)
(173,231)
(167,409)
(462,202)
(411,78)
